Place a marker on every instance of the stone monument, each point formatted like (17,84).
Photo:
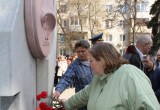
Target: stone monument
(27,56)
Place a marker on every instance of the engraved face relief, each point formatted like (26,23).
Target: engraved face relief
(40,23)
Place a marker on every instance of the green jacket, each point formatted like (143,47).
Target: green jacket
(128,88)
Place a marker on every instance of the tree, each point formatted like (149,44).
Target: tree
(154,23)
(83,14)
(95,13)
(94,16)
(69,11)
(128,9)
(63,27)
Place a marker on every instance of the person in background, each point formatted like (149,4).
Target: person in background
(96,39)
(74,56)
(157,62)
(56,71)
(78,73)
(69,61)
(61,66)
(115,85)
(138,52)
(130,49)
(154,76)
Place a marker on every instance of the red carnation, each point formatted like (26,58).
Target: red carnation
(44,94)
(38,97)
(43,106)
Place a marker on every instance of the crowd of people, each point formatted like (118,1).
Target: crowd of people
(62,63)
(106,80)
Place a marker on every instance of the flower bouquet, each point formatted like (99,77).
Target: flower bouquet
(54,105)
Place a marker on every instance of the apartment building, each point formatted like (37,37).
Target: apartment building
(121,22)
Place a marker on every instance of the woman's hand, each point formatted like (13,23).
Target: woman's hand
(56,94)
(63,100)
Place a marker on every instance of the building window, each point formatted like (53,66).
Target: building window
(108,8)
(63,8)
(108,23)
(141,21)
(122,37)
(141,7)
(109,38)
(74,21)
(61,37)
(84,21)
(121,23)
(65,22)
(123,8)
(122,51)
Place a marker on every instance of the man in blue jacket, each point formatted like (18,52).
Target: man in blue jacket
(78,73)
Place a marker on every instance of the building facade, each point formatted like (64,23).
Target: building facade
(120,21)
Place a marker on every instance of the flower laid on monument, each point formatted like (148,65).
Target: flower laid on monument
(54,105)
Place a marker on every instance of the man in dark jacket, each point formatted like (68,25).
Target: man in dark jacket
(154,76)
(138,53)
